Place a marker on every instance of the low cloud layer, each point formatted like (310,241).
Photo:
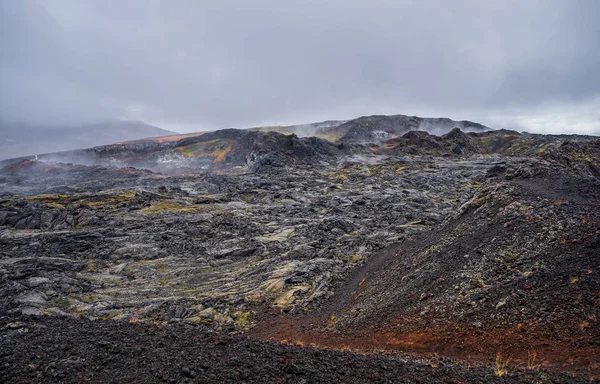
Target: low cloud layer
(195,65)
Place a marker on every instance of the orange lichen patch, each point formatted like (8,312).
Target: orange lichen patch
(220,153)
(134,318)
(163,139)
(584,324)
(217,149)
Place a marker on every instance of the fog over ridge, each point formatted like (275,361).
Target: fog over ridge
(192,66)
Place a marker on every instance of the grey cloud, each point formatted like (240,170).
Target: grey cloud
(214,64)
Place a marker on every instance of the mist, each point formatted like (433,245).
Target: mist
(192,66)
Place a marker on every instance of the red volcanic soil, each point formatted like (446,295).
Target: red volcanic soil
(523,348)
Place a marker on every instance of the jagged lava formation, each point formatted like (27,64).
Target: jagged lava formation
(463,244)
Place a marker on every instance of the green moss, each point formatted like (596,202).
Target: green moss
(108,316)
(86,298)
(109,199)
(54,200)
(160,267)
(241,318)
(170,205)
(580,156)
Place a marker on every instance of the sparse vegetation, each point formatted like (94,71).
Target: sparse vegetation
(170,205)
(532,362)
(500,365)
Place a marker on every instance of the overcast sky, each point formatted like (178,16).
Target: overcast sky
(198,64)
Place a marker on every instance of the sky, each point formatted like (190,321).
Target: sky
(193,65)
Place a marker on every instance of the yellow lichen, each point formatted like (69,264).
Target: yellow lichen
(110,199)
(241,318)
(170,205)
(289,297)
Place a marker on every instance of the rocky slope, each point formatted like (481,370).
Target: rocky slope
(567,149)
(520,258)
(512,270)
(222,149)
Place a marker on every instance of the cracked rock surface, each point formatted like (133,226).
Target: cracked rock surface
(211,248)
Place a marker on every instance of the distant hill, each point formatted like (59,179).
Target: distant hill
(362,130)
(140,145)
(26,140)
(376,128)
